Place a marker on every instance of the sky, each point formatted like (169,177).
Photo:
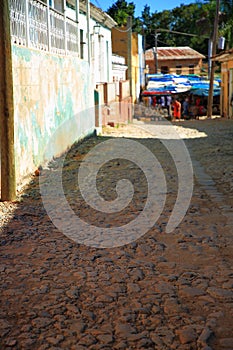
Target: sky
(155,5)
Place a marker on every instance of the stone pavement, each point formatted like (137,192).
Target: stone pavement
(163,291)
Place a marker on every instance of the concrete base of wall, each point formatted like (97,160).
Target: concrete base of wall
(99,130)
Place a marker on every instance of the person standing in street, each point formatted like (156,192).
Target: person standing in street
(176,109)
(154,101)
(168,105)
(186,108)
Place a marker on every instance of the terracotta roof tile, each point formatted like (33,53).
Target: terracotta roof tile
(170,53)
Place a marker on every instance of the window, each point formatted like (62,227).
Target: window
(81,44)
(55,4)
(191,69)
(178,69)
(58,5)
(164,70)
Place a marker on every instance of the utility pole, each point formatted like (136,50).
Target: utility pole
(156,51)
(211,84)
(129,63)
(8,177)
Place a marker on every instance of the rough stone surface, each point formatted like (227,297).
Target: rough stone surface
(186,335)
(162,291)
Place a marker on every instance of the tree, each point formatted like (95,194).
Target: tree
(121,10)
(189,19)
(226,22)
(196,18)
(146,19)
(163,20)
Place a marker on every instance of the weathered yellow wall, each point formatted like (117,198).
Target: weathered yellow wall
(120,47)
(120,42)
(51,95)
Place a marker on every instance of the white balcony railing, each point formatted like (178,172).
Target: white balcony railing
(34,24)
(18,21)
(36,17)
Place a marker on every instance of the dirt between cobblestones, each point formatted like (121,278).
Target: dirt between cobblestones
(163,291)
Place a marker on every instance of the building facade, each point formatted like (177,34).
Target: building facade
(53,54)
(173,60)
(129,45)
(226,60)
(119,68)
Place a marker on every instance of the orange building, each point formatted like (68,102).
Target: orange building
(174,60)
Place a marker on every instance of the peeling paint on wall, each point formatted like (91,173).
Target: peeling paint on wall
(48,91)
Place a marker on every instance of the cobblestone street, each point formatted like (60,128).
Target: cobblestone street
(163,291)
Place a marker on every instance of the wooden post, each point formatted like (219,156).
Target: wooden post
(156,52)
(8,178)
(211,84)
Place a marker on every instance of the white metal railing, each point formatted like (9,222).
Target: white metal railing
(34,24)
(57,30)
(18,21)
(37,24)
(71,35)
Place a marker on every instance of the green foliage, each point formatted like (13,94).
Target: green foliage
(196,18)
(121,10)
(226,21)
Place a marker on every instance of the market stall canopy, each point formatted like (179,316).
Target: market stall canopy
(205,92)
(167,84)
